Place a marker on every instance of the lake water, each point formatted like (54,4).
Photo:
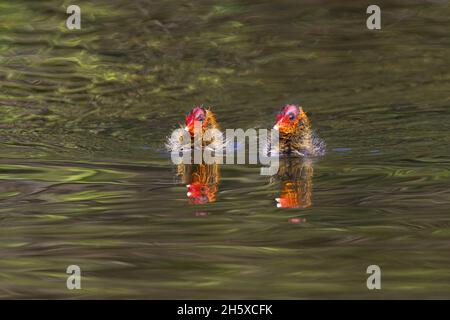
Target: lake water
(85,179)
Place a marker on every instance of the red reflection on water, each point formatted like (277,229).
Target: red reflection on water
(202,182)
(297,220)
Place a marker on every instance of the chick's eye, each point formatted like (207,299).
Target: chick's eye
(200,118)
(291,117)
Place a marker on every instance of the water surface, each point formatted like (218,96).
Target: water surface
(85,180)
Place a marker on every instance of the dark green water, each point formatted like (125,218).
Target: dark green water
(84,179)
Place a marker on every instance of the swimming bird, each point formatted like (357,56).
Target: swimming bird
(201,179)
(205,120)
(295,134)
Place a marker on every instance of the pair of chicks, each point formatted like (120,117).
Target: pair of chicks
(292,124)
(294,174)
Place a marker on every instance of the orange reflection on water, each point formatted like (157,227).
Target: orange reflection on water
(295,176)
(201,180)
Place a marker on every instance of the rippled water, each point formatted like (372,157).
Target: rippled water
(85,180)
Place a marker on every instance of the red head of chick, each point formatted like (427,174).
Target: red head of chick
(204,118)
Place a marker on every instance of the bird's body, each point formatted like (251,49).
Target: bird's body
(295,133)
(297,141)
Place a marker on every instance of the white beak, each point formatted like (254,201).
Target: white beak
(275,127)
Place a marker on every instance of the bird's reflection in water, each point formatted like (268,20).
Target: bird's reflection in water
(295,176)
(201,180)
